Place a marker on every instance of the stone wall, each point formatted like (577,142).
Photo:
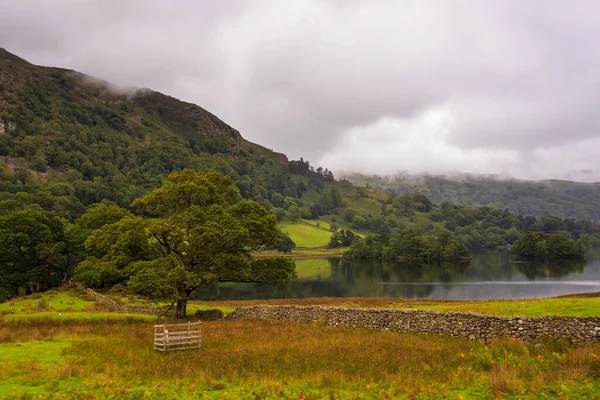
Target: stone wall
(468,325)
(209,315)
(110,303)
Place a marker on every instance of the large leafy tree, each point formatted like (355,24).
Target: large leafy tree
(32,243)
(197,232)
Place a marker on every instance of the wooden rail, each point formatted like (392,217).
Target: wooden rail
(177,336)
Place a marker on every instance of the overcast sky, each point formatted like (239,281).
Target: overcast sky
(507,87)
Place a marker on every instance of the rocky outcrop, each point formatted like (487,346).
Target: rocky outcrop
(6,127)
(467,325)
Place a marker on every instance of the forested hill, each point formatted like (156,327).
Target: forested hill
(81,136)
(564,199)
(68,141)
(75,152)
(42,98)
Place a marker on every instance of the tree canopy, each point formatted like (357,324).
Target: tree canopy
(197,232)
(408,247)
(32,243)
(535,245)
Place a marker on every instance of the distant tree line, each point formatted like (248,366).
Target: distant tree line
(565,199)
(540,246)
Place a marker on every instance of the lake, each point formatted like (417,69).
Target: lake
(490,275)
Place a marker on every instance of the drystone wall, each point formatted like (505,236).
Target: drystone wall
(102,299)
(126,309)
(468,325)
(209,315)
(204,315)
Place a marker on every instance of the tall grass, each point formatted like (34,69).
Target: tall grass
(271,358)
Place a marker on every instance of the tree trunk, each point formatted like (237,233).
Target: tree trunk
(180,310)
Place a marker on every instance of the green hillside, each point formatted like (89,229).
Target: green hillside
(563,199)
(81,140)
(68,140)
(75,152)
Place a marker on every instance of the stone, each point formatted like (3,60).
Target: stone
(468,325)
(210,315)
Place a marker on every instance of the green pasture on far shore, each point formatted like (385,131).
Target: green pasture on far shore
(308,233)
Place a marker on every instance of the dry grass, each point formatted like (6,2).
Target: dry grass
(574,305)
(273,360)
(248,356)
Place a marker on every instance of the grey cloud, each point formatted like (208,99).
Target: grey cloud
(514,82)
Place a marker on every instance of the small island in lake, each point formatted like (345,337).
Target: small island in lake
(408,247)
(547,246)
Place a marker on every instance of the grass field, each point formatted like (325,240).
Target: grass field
(531,308)
(64,306)
(56,301)
(303,253)
(74,305)
(243,359)
(307,233)
(79,316)
(95,354)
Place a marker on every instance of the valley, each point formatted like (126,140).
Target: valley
(156,202)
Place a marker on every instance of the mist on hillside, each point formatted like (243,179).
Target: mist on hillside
(457,177)
(488,87)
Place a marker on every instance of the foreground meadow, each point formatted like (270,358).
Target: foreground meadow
(65,346)
(242,359)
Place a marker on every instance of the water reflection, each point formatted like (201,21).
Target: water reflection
(547,269)
(488,275)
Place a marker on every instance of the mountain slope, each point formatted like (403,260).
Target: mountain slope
(68,140)
(60,126)
(564,199)
(44,90)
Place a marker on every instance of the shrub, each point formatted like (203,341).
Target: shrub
(42,304)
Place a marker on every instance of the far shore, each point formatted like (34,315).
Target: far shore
(302,252)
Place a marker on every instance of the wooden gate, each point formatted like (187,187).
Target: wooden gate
(177,336)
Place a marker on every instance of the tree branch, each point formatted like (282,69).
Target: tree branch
(168,309)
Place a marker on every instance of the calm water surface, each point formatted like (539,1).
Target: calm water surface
(489,275)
